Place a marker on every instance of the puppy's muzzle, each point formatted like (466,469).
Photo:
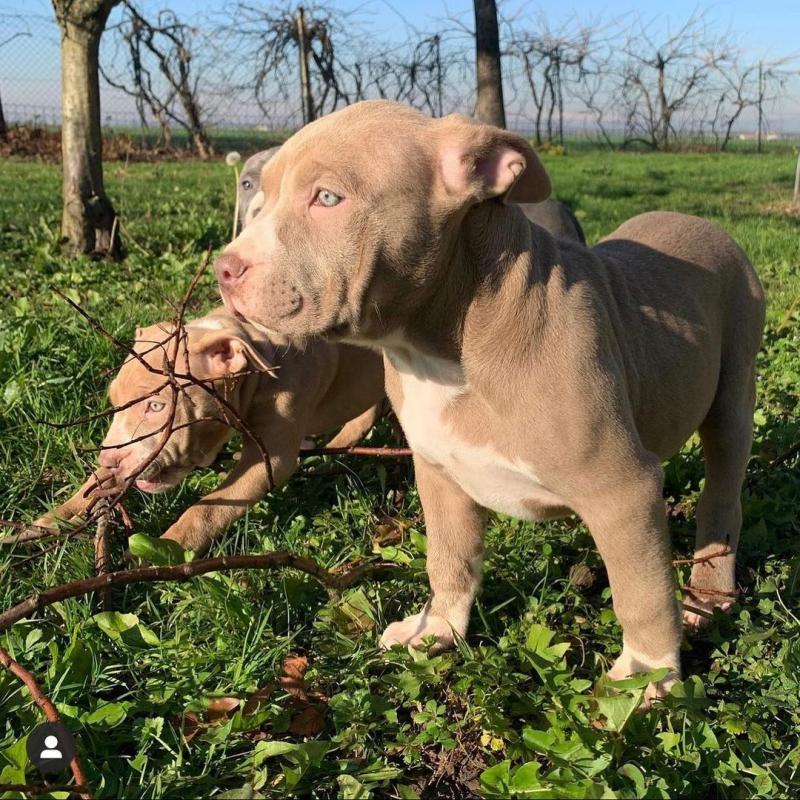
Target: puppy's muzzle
(230,269)
(284,298)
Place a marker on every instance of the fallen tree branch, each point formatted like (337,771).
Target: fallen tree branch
(179,572)
(28,532)
(385,452)
(51,712)
(102,554)
(35,789)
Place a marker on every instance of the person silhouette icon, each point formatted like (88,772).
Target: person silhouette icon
(50,747)
(51,743)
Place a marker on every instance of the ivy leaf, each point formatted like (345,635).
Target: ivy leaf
(162,552)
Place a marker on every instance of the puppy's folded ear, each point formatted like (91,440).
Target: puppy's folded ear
(222,353)
(478,162)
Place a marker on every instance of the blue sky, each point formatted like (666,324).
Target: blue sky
(765,28)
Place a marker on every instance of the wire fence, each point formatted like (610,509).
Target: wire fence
(236,107)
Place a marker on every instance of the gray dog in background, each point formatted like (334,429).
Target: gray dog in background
(552,215)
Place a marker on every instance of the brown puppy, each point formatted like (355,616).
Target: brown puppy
(311,391)
(532,375)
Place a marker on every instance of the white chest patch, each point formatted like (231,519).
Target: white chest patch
(430,386)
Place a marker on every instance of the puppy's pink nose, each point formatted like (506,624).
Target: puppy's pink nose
(230,268)
(110,459)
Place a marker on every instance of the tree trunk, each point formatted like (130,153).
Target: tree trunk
(662,130)
(306,98)
(3,126)
(88,219)
(489,107)
(200,141)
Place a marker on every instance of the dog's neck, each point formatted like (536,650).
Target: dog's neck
(488,276)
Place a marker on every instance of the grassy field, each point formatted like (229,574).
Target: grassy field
(513,710)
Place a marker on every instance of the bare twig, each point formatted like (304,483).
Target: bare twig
(385,452)
(102,552)
(179,572)
(27,532)
(703,559)
(709,592)
(51,712)
(35,789)
(699,611)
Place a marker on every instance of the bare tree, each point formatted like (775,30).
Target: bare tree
(739,87)
(24,31)
(345,64)
(593,90)
(88,220)
(268,50)
(160,73)
(489,106)
(551,60)
(661,79)
(737,91)
(415,73)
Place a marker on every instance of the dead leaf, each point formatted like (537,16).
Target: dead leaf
(310,718)
(257,700)
(189,724)
(309,722)
(220,708)
(582,575)
(390,530)
(292,680)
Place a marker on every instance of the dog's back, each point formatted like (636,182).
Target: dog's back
(677,284)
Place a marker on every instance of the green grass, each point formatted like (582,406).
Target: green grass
(512,710)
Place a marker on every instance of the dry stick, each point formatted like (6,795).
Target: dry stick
(173,376)
(386,452)
(703,559)
(51,712)
(34,789)
(102,553)
(73,423)
(28,532)
(699,611)
(335,583)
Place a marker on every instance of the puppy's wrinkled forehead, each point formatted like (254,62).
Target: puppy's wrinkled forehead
(154,345)
(352,145)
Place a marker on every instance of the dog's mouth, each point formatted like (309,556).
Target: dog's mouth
(156,478)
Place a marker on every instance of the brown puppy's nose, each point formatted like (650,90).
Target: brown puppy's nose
(230,268)
(109,459)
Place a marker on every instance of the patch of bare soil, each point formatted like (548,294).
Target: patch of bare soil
(455,772)
(29,141)
(782,208)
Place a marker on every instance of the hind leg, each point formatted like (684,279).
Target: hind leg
(726,434)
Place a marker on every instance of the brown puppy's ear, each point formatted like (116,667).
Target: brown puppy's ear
(480,161)
(223,353)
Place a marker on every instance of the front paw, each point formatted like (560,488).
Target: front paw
(698,607)
(414,629)
(189,539)
(47,521)
(631,662)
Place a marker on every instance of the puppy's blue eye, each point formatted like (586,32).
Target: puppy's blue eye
(247,184)
(325,197)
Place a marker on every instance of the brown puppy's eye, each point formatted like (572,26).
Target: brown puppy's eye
(247,184)
(327,198)
(156,405)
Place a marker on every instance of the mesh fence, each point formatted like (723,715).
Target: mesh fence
(30,93)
